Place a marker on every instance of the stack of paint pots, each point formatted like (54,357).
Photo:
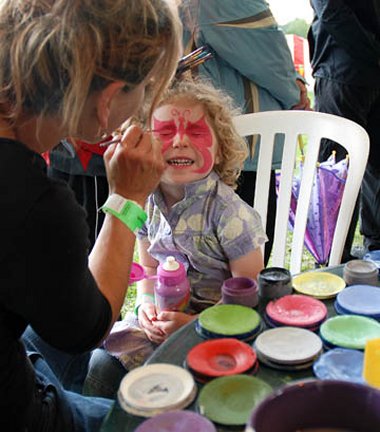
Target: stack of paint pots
(274,282)
(221,357)
(229,400)
(359,300)
(184,421)
(320,285)
(340,364)
(348,331)
(296,310)
(360,272)
(229,321)
(288,348)
(241,291)
(157,388)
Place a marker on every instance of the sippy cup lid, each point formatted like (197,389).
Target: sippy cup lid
(170,264)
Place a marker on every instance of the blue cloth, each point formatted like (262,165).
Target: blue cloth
(208,228)
(248,47)
(56,406)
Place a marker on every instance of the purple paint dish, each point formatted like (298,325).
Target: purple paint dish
(318,405)
(241,291)
(177,421)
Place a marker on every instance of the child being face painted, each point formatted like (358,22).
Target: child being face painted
(189,144)
(211,230)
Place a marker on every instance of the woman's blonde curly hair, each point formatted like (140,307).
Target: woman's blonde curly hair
(220,110)
(54,53)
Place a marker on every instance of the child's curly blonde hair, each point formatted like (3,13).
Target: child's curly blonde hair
(219,109)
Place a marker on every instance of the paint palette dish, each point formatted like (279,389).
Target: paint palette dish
(234,321)
(349,331)
(286,367)
(288,348)
(184,421)
(204,379)
(229,400)
(340,364)
(359,300)
(320,285)
(273,324)
(153,389)
(220,357)
(296,310)
(244,337)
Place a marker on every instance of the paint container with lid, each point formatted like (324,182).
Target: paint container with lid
(360,272)
(274,282)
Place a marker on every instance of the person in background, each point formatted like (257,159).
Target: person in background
(81,165)
(253,64)
(344,41)
(195,216)
(70,68)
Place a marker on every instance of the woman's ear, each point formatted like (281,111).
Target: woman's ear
(104,102)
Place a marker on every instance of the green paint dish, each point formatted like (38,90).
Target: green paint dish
(350,331)
(229,320)
(229,400)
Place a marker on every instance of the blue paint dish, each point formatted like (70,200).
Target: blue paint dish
(340,364)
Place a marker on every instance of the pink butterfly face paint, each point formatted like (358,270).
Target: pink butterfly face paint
(188,142)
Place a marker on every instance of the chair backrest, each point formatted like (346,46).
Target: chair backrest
(315,126)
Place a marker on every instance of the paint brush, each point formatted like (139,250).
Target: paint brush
(119,138)
(194,59)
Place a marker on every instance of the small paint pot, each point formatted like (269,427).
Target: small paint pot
(315,405)
(241,291)
(360,272)
(274,282)
(173,421)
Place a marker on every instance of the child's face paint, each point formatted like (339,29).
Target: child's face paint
(188,142)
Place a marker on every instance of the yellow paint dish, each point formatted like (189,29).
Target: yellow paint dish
(371,370)
(320,285)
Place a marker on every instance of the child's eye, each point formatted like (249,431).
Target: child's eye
(198,134)
(196,131)
(165,133)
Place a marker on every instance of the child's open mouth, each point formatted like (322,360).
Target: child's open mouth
(180,162)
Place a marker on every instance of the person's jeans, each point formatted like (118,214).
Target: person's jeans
(104,375)
(56,406)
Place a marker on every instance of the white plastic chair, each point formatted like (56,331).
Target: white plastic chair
(315,126)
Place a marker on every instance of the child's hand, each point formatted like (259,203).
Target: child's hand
(169,322)
(147,316)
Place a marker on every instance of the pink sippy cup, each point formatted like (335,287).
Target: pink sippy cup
(172,288)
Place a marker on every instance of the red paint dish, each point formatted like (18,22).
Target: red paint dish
(297,310)
(220,357)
